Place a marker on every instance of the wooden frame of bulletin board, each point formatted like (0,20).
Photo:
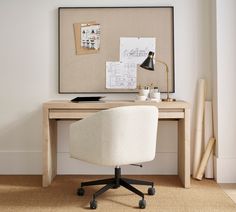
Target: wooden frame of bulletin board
(84,70)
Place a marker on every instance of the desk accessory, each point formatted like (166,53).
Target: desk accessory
(141,98)
(143,93)
(149,65)
(155,95)
(147,93)
(87,98)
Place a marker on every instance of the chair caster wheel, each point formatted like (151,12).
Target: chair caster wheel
(80,192)
(142,203)
(93,204)
(115,187)
(151,191)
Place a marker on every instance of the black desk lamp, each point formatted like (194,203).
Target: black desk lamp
(149,65)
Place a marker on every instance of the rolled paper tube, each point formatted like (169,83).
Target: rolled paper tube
(205,158)
(208,133)
(199,126)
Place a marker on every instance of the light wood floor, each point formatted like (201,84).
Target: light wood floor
(230,190)
(24,193)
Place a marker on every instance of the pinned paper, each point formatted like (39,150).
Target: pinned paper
(90,36)
(135,50)
(121,75)
(87,38)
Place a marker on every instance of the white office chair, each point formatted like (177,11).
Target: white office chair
(116,137)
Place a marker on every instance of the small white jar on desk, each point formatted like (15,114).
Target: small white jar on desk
(148,94)
(143,94)
(155,95)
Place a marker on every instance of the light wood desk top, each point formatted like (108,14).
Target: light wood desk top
(60,104)
(64,109)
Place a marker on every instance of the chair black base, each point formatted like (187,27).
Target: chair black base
(116,182)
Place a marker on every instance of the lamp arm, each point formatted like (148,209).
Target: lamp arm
(167,75)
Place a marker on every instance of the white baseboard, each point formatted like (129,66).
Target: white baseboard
(225,171)
(163,164)
(30,163)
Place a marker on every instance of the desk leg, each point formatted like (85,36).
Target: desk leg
(49,148)
(184,149)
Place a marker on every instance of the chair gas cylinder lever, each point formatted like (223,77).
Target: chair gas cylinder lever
(140,165)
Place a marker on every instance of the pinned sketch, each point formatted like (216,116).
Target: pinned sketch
(90,36)
(121,75)
(135,50)
(87,37)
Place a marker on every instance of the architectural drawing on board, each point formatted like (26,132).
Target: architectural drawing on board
(135,50)
(121,75)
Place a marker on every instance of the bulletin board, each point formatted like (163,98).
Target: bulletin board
(84,71)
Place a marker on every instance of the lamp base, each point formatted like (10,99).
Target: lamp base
(168,100)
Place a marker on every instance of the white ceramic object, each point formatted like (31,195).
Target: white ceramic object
(156,95)
(155,100)
(154,90)
(144,92)
(141,98)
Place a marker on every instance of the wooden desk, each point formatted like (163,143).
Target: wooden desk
(65,110)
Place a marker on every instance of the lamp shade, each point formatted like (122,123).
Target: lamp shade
(148,62)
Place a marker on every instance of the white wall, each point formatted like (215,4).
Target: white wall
(224,77)
(28,70)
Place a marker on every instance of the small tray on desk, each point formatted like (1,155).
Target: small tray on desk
(87,98)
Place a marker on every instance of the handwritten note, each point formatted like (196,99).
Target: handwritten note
(135,50)
(121,75)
